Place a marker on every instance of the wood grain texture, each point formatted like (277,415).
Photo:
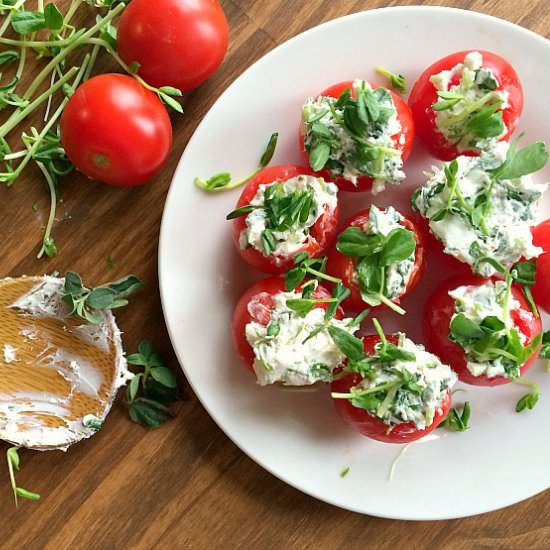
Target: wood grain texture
(186,485)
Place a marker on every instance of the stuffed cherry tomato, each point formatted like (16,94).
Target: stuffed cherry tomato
(282,211)
(464,102)
(379,256)
(401,398)
(478,208)
(357,134)
(541,289)
(484,328)
(273,333)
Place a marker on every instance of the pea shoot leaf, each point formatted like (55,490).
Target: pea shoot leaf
(522,162)
(457,421)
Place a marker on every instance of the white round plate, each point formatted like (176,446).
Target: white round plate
(297,435)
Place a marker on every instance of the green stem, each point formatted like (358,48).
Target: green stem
(474,106)
(391,305)
(322,275)
(53,204)
(379,330)
(66,51)
(374,389)
(18,116)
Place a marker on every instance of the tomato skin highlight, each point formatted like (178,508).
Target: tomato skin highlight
(256,305)
(178,43)
(322,232)
(116,131)
(424,95)
(343,267)
(364,183)
(541,288)
(440,308)
(366,423)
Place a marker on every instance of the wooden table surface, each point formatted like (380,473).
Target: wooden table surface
(186,485)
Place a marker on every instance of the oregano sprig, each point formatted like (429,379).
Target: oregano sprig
(152,392)
(87,303)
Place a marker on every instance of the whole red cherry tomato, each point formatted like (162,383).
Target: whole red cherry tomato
(320,235)
(177,43)
(256,304)
(541,289)
(366,423)
(424,95)
(438,313)
(116,131)
(344,267)
(403,140)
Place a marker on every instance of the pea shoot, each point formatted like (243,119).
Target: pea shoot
(222,181)
(66,56)
(14,462)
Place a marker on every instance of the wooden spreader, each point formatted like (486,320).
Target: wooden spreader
(58,373)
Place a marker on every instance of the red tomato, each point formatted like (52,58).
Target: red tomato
(541,289)
(320,235)
(343,267)
(177,43)
(404,144)
(256,305)
(438,312)
(116,131)
(366,423)
(424,95)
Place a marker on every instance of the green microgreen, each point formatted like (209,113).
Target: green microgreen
(375,254)
(222,181)
(529,400)
(545,349)
(361,117)
(88,303)
(12,457)
(305,266)
(152,392)
(345,472)
(284,211)
(493,338)
(397,81)
(61,67)
(457,421)
(379,398)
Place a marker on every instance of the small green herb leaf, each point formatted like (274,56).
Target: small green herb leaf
(397,81)
(24,22)
(53,18)
(349,345)
(526,161)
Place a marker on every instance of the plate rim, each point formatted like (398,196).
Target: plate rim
(163,238)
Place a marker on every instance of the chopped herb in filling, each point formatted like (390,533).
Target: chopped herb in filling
(483,327)
(401,382)
(352,137)
(296,348)
(280,215)
(469,113)
(483,207)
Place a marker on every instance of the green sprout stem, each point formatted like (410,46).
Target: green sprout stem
(82,39)
(392,305)
(18,116)
(471,106)
(203,185)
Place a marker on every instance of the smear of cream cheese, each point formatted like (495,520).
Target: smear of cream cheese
(24,416)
